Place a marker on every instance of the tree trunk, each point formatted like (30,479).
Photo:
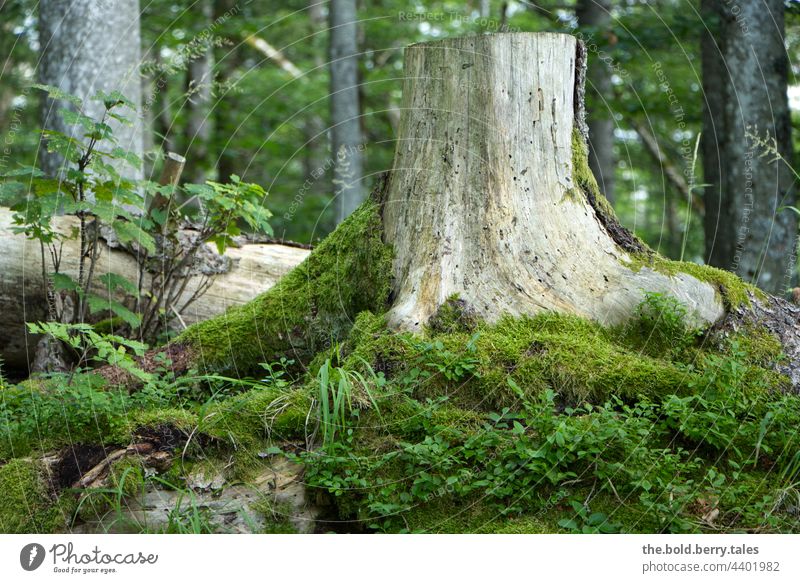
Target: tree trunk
(347,141)
(485,8)
(485,200)
(745,72)
(226,122)
(596,16)
(200,75)
(254,269)
(90,46)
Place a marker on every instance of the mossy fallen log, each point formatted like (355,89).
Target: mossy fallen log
(238,277)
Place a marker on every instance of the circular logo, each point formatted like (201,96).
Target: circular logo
(31,556)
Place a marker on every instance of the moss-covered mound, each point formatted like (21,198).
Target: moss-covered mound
(541,424)
(28,505)
(310,308)
(556,424)
(531,424)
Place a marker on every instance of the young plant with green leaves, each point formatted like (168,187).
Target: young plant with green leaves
(92,187)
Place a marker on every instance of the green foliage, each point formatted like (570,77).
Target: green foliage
(587,522)
(341,392)
(225,204)
(91,187)
(662,325)
(642,462)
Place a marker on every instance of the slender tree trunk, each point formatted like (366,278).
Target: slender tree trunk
(89,46)
(225,124)
(745,72)
(315,162)
(200,76)
(347,141)
(596,15)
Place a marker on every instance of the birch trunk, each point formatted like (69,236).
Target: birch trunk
(346,138)
(748,228)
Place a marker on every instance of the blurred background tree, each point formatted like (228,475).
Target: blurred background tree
(244,87)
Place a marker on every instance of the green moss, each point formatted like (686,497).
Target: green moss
(27,506)
(582,174)
(454,315)
(276,516)
(762,347)
(587,187)
(179,418)
(310,308)
(579,359)
(732,289)
(245,425)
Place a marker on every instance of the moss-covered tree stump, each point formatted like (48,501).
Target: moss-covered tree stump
(514,355)
(490,198)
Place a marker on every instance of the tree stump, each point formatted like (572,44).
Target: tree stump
(490,197)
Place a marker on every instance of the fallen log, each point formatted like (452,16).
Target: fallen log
(250,269)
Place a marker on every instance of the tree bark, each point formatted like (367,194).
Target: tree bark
(90,46)
(745,72)
(596,16)
(200,80)
(347,141)
(255,268)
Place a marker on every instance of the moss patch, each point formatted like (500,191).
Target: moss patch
(27,505)
(310,308)
(732,289)
(762,347)
(578,359)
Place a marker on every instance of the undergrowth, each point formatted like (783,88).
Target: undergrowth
(531,424)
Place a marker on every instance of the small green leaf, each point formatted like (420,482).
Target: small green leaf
(56,93)
(112,281)
(63,282)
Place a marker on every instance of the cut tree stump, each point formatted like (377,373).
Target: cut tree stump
(490,198)
(485,200)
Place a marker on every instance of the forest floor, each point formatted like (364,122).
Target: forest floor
(535,424)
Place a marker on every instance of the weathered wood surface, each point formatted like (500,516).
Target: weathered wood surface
(483,201)
(254,269)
